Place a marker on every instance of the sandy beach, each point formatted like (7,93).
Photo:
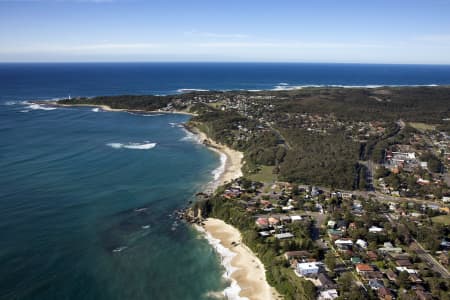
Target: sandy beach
(233,162)
(246,269)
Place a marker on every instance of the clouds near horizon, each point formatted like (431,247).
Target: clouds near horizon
(323,31)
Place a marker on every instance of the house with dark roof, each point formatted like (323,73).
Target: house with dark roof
(325,282)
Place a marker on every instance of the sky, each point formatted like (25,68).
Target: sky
(339,31)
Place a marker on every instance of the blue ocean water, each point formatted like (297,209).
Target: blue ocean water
(85,196)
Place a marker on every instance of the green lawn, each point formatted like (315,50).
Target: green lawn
(422,126)
(444,219)
(264,175)
(217,104)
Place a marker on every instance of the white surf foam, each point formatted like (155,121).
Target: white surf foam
(135,146)
(35,106)
(10,103)
(120,249)
(226,255)
(190,137)
(220,169)
(287,87)
(191,90)
(145,115)
(96,109)
(151,115)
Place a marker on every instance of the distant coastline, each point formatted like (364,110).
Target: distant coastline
(110,109)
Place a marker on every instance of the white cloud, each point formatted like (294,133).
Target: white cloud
(113,48)
(286,45)
(195,33)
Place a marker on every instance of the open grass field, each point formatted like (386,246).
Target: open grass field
(422,126)
(444,219)
(264,175)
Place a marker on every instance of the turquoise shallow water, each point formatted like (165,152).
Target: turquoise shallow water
(84,212)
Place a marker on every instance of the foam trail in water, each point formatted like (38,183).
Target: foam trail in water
(36,106)
(231,292)
(135,146)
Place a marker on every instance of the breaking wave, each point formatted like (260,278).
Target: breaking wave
(283,86)
(221,168)
(35,106)
(191,90)
(135,146)
(226,255)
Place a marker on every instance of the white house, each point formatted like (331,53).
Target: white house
(306,269)
(286,235)
(375,229)
(289,207)
(402,269)
(361,243)
(344,243)
(328,295)
(296,218)
(424,165)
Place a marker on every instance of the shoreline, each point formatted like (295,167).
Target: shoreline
(231,160)
(243,267)
(245,270)
(108,108)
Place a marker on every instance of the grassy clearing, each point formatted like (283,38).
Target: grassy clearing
(422,126)
(444,219)
(264,175)
(217,104)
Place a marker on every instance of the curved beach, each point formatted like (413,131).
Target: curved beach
(232,160)
(245,270)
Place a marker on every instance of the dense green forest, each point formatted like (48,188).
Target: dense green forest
(123,101)
(418,104)
(329,160)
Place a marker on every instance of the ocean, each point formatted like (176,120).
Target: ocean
(86,197)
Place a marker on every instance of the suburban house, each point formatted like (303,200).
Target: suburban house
(375,229)
(344,244)
(285,235)
(297,255)
(307,269)
(363,268)
(328,295)
(361,243)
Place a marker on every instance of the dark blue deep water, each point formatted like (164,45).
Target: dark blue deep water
(84,197)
